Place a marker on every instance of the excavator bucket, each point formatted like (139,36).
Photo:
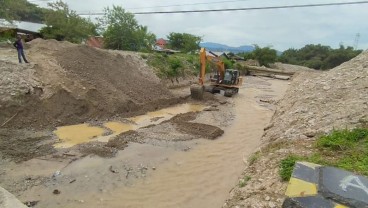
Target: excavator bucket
(196,91)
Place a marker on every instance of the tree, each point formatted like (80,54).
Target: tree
(184,42)
(122,31)
(318,56)
(289,56)
(21,10)
(265,56)
(339,56)
(65,24)
(228,63)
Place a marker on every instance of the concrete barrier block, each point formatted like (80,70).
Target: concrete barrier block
(312,186)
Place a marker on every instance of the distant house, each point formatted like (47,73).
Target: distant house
(165,50)
(29,29)
(219,54)
(235,57)
(161,47)
(161,43)
(96,42)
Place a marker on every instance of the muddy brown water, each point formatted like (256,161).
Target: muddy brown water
(204,176)
(201,177)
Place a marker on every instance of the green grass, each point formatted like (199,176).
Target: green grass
(287,166)
(345,149)
(254,157)
(343,140)
(243,182)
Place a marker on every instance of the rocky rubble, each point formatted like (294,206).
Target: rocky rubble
(316,103)
(15,80)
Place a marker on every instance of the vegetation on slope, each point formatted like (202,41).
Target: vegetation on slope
(346,149)
(173,66)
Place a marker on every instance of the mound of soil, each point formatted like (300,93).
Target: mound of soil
(68,84)
(183,124)
(203,130)
(110,73)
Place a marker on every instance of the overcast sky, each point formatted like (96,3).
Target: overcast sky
(281,29)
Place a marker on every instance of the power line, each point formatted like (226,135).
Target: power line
(178,5)
(240,9)
(255,8)
(40,1)
(163,6)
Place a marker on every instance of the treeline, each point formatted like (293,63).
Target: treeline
(313,56)
(119,28)
(21,10)
(318,56)
(122,31)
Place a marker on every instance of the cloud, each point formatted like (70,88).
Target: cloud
(282,29)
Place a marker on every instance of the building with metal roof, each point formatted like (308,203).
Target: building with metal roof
(21,26)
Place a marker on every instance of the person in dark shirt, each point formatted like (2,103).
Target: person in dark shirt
(19,46)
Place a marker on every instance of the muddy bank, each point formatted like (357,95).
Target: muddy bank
(106,138)
(23,145)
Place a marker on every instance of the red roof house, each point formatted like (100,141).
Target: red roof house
(161,43)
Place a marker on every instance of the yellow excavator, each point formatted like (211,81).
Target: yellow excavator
(227,80)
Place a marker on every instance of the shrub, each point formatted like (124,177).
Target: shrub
(287,166)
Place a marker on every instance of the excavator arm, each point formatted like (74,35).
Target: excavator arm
(203,62)
(202,73)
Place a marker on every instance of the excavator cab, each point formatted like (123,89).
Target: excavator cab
(231,77)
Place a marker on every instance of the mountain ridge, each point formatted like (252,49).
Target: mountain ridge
(218,47)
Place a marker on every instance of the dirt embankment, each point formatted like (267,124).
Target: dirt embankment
(67,83)
(315,104)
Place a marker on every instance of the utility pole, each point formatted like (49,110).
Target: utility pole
(356,42)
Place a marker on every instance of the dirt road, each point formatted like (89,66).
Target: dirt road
(162,166)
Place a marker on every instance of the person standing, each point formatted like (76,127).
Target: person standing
(19,46)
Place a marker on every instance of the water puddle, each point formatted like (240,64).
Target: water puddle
(76,134)
(118,127)
(83,133)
